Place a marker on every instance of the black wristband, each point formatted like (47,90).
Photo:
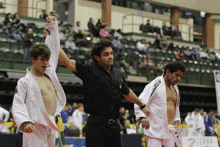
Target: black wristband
(142,107)
(142,118)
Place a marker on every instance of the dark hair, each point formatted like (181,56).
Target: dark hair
(196,109)
(40,49)
(174,66)
(99,47)
(77,22)
(210,110)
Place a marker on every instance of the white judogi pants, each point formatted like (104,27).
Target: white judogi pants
(41,137)
(156,142)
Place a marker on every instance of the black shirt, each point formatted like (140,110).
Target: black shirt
(103,90)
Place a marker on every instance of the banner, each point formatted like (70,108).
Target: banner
(200,142)
(217,88)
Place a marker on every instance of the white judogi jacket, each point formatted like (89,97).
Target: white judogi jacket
(28,105)
(77,119)
(154,97)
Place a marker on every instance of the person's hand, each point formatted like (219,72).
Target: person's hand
(146,111)
(51,18)
(127,111)
(145,123)
(176,130)
(2,121)
(31,40)
(29,127)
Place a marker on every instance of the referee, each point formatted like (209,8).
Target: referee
(104,88)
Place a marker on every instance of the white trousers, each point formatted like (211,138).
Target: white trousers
(157,142)
(41,137)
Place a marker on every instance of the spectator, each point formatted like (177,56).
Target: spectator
(179,56)
(194,54)
(43,14)
(209,128)
(7,19)
(187,53)
(142,46)
(92,28)
(165,29)
(79,39)
(16,19)
(157,42)
(128,129)
(160,66)
(104,33)
(167,45)
(65,113)
(53,13)
(69,33)
(62,25)
(62,36)
(70,44)
(119,34)
(175,33)
(117,43)
(204,55)
(124,114)
(121,63)
(100,24)
(28,41)
(77,28)
(77,118)
(152,28)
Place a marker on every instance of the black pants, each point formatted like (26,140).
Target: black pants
(101,134)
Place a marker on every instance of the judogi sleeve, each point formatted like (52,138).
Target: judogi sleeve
(53,42)
(145,97)
(177,112)
(19,109)
(187,120)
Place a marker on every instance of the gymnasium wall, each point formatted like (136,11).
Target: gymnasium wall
(217,35)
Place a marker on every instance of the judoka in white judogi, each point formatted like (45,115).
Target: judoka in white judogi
(4,116)
(196,123)
(154,96)
(28,105)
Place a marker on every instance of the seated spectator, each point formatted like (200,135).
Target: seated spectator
(43,14)
(77,28)
(179,56)
(117,43)
(69,33)
(204,55)
(160,66)
(62,25)
(165,29)
(79,39)
(104,33)
(19,31)
(70,44)
(15,20)
(187,53)
(100,24)
(167,45)
(124,114)
(152,28)
(62,36)
(194,54)
(157,42)
(128,129)
(212,57)
(121,63)
(175,33)
(142,46)
(119,34)
(92,28)
(8,19)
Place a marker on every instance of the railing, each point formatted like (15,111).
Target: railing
(33,11)
(132,22)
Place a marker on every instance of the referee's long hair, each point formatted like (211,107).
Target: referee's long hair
(99,47)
